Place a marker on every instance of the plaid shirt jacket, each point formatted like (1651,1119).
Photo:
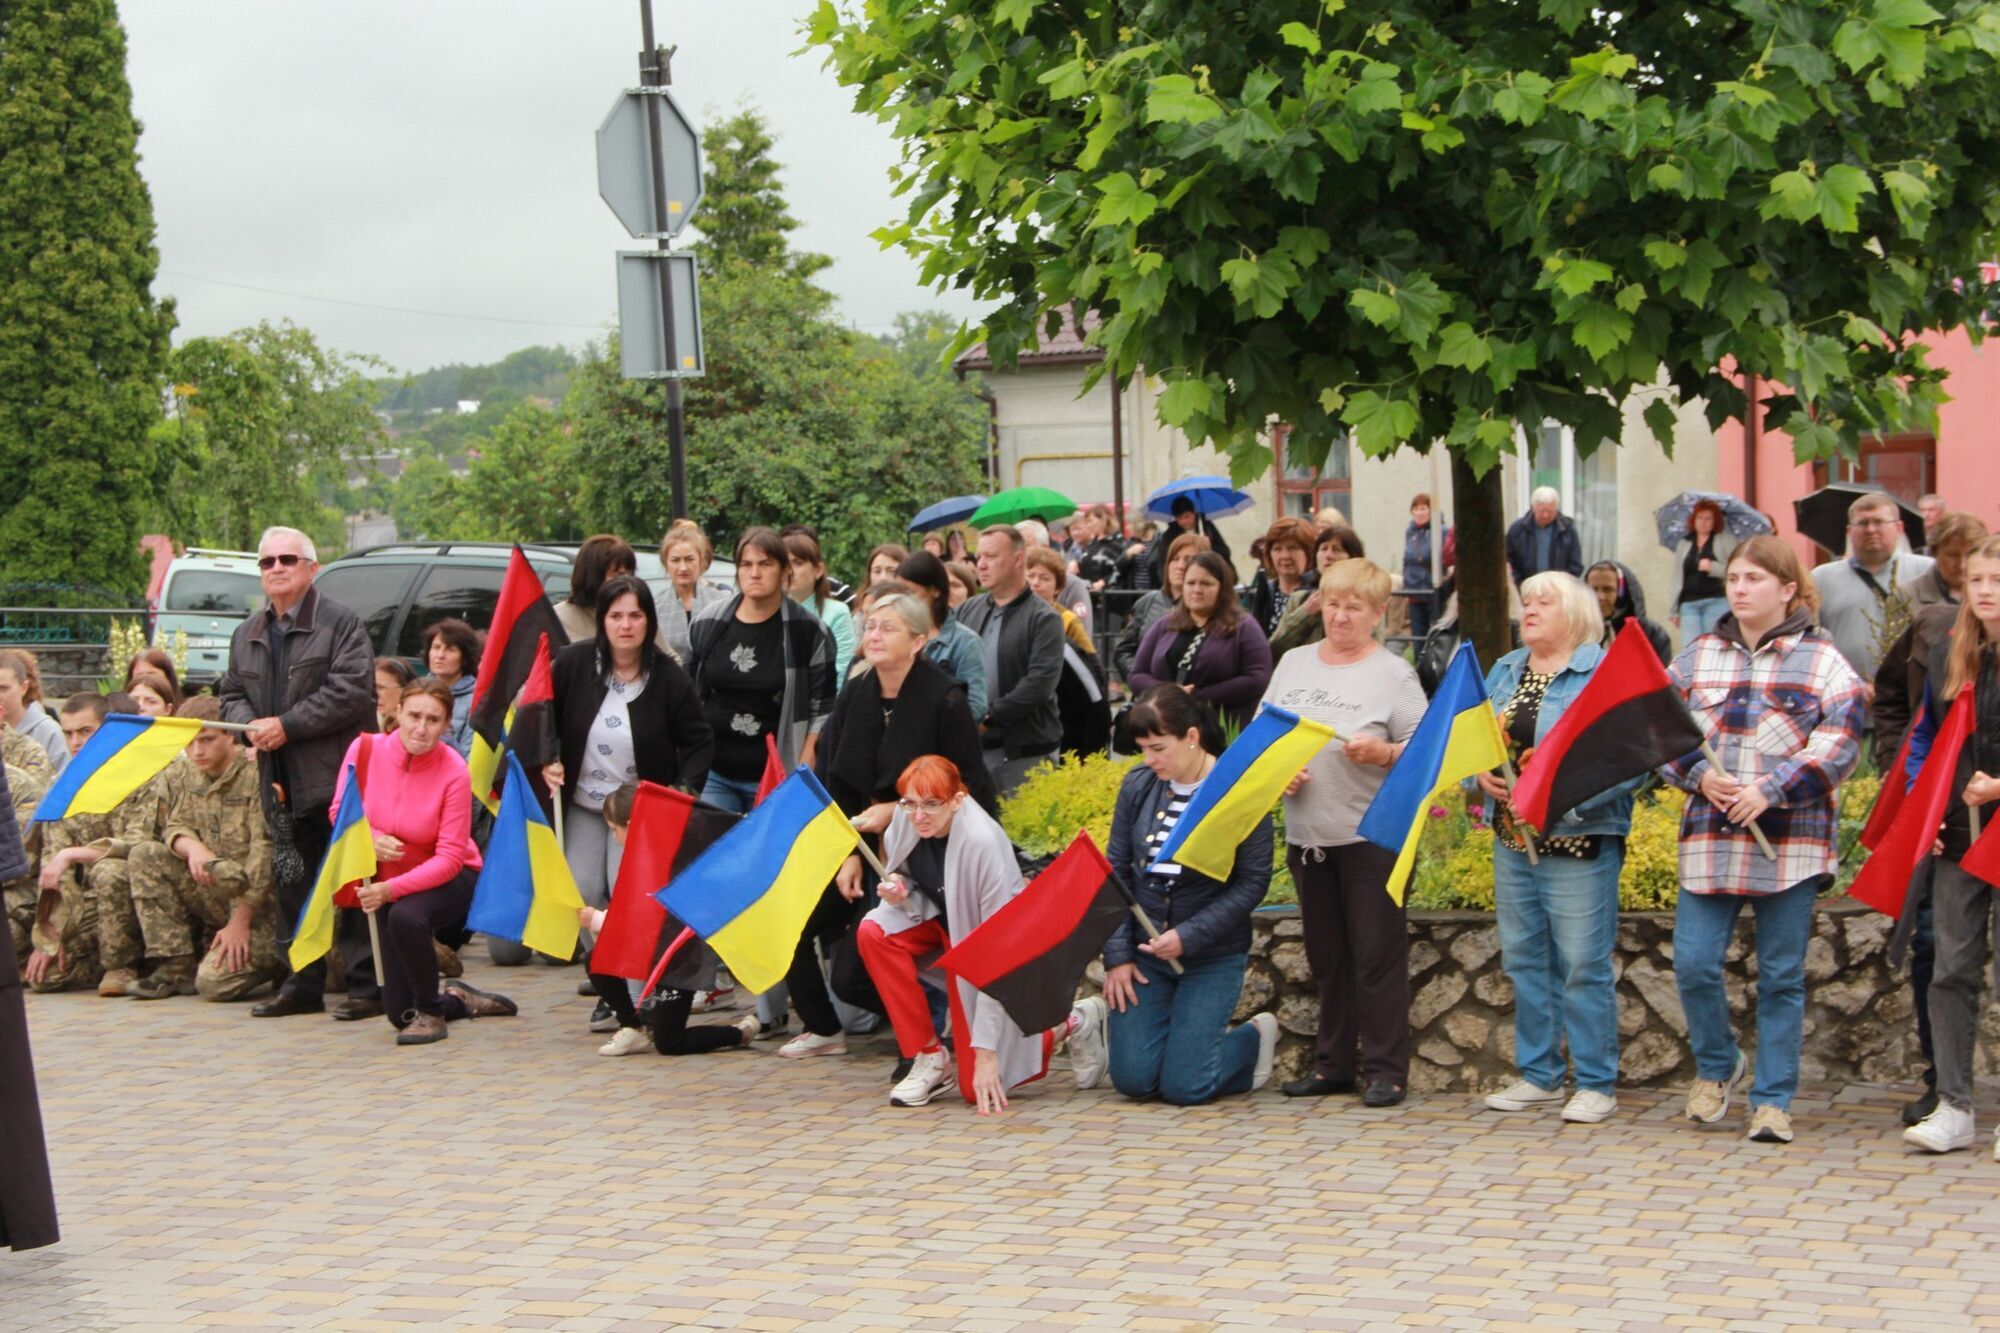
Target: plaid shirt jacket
(1786,717)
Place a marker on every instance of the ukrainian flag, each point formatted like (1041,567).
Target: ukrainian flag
(349,859)
(525,891)
(122,757)
(1458,737)
(1245,783)
(749,895)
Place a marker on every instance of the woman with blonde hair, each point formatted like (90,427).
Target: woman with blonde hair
(1782,711)
(1557,913)
(685,554)
(1961,903)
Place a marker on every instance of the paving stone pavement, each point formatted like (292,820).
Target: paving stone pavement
(218,1170)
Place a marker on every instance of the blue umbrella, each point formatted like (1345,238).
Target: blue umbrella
(946,512)
(1212,497)
(1739,518)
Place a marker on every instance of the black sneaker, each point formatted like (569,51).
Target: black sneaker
(772,1031)
(602,1019)
(1312,1085)
(1919,1110)
(1381,1092)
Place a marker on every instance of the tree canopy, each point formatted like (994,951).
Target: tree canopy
(84,341)
(1424,222)
(744,219)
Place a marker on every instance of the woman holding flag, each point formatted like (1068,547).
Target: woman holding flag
(1781,709)
(1557,913)
(418,801)
(1356,938)
(1962,896)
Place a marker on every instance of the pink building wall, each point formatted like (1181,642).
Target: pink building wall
(1968,445)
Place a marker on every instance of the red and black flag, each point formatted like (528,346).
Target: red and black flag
(1906,836)
(1627,720)
(669,830)
(521,618)
(1030,955)
(531,724)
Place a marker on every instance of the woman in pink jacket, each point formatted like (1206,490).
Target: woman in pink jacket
(418,800)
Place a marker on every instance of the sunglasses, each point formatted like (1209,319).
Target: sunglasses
(272,561)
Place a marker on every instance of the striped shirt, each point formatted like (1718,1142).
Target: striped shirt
(1786,717)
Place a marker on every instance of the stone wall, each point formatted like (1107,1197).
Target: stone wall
(1859,1024)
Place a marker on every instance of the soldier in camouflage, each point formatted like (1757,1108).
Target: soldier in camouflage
(19,894)
(210,871)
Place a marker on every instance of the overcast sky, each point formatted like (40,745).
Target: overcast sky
(439,156)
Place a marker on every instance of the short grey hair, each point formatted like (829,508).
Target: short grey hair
(1580,612)
(306,547)
(1545,495)
(1033,531)
(907,608)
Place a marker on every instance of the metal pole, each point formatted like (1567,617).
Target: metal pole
(655,72)
(1118,457)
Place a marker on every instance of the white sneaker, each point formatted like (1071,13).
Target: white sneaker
(1946,1129)
(1089,1048)
(811,1043)
(1267,1049)
(749,1025)
(1589,1106)
(626,1041)
(720,998)
(1708,1100)
(929,1075)
(1523,1096)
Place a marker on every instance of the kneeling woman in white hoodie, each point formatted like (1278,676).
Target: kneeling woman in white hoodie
(951,867)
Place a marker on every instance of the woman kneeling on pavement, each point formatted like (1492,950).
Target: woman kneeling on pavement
(1169,1031)
(1961,903)
(418,800)
(1558,914)
(1782,710)
(951,867)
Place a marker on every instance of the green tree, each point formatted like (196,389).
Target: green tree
(517,487)
(743,219)
(266,426)
(797,419)
(424,500)
(83,340)
(1421,223)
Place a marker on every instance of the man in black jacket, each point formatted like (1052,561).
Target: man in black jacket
(302,677)
(1023,640)
(1543,538)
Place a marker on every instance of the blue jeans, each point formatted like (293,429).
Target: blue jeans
(1558,924)
(1703,923)
(1176,1042)
(730,794)
(1701,615)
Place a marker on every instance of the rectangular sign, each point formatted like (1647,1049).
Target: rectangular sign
(642,332)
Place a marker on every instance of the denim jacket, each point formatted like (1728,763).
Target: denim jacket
(1609,812)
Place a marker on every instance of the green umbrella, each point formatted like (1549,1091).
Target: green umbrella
(1023,502)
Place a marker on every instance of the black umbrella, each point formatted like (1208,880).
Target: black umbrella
(1822,516)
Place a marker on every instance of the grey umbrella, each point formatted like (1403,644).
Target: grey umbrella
(1737,517)
(1822,515)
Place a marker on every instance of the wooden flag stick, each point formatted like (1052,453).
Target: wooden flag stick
(1527,838)
(1972,811)
(1715,762)
(374,938)
(1153,932)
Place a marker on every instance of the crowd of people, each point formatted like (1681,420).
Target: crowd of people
(924,695)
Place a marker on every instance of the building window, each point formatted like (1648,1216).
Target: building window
(1903,465)
(1303,491)
(1588,486)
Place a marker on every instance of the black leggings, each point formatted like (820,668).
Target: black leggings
(669,1019)
(409,957)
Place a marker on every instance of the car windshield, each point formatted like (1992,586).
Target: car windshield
(214,592)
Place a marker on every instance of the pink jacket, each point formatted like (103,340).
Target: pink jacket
(424,800)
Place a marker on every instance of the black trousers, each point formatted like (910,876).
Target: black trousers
(667,1015)
(409,962)
(1358,944)
(312,830)
(830,919)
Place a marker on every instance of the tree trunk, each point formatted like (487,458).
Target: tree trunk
(1482,560)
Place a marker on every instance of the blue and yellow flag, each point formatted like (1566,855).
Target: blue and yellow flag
(1458,737)
(122,757)
(525,891)
(1245,783)
(749,895)
(349,859)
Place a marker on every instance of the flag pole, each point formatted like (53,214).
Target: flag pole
(1153,932)
(1715,762)
(374,937)
(1972,812)
(1527,838)
(660,968)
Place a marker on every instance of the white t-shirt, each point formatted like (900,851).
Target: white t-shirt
(1377,696)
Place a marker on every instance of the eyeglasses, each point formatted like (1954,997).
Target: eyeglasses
(910,807)
(287,560)
(1875,523)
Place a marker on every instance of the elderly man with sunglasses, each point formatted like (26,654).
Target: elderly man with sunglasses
(302,677)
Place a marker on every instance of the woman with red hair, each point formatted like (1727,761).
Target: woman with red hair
(951,867)
(1701,557)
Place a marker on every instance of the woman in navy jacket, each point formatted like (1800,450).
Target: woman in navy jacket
(1170,1033)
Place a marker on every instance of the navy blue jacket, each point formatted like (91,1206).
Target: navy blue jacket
(1213,919)
(1565,549)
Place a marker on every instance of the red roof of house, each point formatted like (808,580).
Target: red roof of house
(1066,348)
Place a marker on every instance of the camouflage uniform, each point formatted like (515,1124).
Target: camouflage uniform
(19,894)
(17,751)
(226,814)
(140,817)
